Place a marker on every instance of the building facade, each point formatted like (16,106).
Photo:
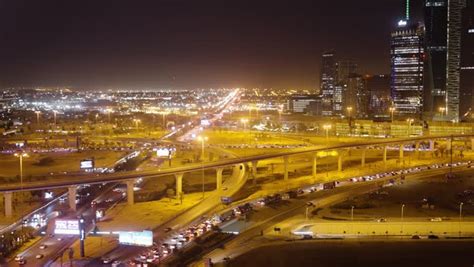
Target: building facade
(328,81)
(455,8)
(344,69)
(407,69)
(300,103)
(380,101)
(466,102)
(436,30)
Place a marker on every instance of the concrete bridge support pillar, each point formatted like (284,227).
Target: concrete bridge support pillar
(179,183)
(432,143)
(417,150)
(472,143)
(285,167)
(130,192)
(362,161)
(7,200)
(339,160)
(315,165)
(402,147)
(385,155)
(71,196)
(219,178)
(254,171)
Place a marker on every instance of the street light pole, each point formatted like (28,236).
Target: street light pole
(20,156)
(352,213)
(392,110)
(37,116)
(460,211)
(202,139)
(349,110)
(54,114)
(403,206)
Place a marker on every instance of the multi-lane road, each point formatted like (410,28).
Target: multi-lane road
(248,239)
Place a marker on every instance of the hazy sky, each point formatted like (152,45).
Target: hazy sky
(189,43)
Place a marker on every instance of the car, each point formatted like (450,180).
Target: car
(226,258)
(60,239)
(43,246)
(39,256)
(19,258)
(22,262)
(433,237)
(106,260)
(437,219)
(116,263)
(415,237)
(167,229)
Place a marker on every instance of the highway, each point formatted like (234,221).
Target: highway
(250,239)
(64,181)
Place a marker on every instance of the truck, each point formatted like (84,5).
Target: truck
(329,185)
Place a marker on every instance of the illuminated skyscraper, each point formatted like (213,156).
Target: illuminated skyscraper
(328,81)
(466,103)
(407,66)
(454,58)
(344,69)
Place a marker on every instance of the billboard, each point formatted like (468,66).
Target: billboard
(66,227)
(163,152)
(142,239)
(87,164)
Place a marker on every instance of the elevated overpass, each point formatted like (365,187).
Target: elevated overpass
(71,182)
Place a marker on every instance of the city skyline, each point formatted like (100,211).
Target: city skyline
(182,45)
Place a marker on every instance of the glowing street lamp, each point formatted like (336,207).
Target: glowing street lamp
(38,116)
(327,127)
(392,110)
(244,121)
(55,112)
(402,209)
(21,155)
(108,111)
(136,121)
(442,110)
(349,110)
(202,139)
(409,122)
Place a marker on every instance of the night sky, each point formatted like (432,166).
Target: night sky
(189,43)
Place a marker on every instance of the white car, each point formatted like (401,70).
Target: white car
(39,256)
(19,258)
(107,260)
(43,246)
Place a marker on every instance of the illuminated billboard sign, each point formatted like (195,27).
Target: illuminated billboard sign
(142,239)
(67,227)
(87,164)
(163,152)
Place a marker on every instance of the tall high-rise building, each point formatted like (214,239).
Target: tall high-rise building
(328,81)
(344,69)
(436,17)
(355,96)
(380,101)
(407,67)
(466,103)
(455,8)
